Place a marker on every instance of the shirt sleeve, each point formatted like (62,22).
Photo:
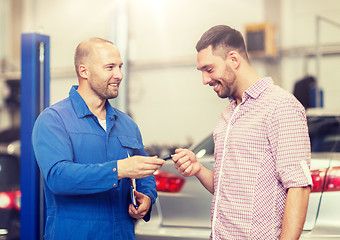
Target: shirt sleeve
(290,143)
(54,155)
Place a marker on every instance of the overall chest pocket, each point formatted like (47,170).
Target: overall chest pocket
(130,144)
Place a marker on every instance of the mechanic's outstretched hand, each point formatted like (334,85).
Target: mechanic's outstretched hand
(144,204)
(186,162)
(138,166)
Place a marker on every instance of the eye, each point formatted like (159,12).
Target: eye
(209,70)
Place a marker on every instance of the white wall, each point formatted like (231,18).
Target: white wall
(167,98)
(170,104)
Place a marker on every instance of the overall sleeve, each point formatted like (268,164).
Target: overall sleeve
(54,155)
(146,185)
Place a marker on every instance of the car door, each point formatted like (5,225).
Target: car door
(324,131)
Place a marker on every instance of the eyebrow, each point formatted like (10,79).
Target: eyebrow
(114,64)
(204,67)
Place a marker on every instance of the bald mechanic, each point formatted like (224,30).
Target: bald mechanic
(88,152)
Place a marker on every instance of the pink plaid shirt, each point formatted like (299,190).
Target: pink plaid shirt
(267,151)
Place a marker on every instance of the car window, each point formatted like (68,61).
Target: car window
(205,148)
(324,133)
(9,171)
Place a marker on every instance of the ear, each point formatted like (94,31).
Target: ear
(234,58)
(83,71)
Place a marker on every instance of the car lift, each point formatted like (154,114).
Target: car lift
(35,95)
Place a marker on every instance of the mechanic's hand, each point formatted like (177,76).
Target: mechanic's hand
(144,204)
(138,166)
(186,162)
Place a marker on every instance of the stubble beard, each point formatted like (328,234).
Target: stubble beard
(227,88)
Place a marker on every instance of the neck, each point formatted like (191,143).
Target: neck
(94,103)
(246,78)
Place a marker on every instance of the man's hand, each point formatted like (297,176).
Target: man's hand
(186,162)
(144,204)
(138,166)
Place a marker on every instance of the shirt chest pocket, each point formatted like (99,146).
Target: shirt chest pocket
(130,144)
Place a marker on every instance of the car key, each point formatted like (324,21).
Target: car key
(167,157)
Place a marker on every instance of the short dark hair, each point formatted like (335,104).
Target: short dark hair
(225,37)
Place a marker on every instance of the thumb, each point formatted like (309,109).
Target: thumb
(139,195)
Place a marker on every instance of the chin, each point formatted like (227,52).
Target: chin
(112,97)
(223,95)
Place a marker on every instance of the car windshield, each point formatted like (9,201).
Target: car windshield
(324,132)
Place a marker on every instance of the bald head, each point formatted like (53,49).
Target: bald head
(85,50)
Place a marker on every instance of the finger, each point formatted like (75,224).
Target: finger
(184,166)
(155,160)
(141,212)
(149,160)
(184,159)
(138,195)
(133,210)
(179,155)
(178,150)
(137,213)
(180,162)
(187,171)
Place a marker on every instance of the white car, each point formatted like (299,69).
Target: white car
(182,210)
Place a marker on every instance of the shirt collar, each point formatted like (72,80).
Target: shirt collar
(255,90)
(82,109)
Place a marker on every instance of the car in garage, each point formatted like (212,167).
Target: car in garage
(10,195)
(182,210)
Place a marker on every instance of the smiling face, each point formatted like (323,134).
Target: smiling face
(217,72)
(105,73)
(98,66)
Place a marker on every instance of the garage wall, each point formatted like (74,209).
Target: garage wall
(167,98)
(299,38)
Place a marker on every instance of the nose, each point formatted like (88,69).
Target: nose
(118,73)
(206,78)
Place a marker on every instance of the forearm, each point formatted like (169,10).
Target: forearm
(295,213)
(206,177)
(68,178)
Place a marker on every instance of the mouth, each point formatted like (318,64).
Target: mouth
(115,85)
(215,85)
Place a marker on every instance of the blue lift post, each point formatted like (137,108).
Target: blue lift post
(35,86)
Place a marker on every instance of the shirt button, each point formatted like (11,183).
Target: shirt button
(114,169)
(114,184)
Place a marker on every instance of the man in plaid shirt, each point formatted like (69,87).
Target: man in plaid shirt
(261,180)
